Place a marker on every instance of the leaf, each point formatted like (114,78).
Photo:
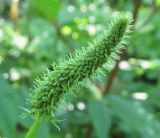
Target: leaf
(69,16)
(49,8)
(158,3)
(8,115)
(134,118)
(100,117)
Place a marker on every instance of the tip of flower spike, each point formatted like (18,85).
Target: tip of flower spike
(125,18)
(126,15)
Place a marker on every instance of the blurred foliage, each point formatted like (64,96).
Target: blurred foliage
(42,32)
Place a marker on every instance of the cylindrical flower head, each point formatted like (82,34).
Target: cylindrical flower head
(84,63)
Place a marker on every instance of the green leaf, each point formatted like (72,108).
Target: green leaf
(158,2)
(49,8)
(8,115)
(100,117)
(70,16)
(134,118)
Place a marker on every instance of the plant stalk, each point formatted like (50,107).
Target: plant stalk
(33,129)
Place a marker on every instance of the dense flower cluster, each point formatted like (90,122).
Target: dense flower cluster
(53,86)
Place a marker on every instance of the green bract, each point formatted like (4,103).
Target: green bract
(50,90)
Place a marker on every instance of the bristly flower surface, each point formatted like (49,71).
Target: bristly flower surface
(53,86)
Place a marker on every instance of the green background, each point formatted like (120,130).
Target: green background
(42,31)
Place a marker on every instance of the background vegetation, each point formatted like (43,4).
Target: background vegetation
(122,104)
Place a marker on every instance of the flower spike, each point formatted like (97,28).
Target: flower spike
(54,84)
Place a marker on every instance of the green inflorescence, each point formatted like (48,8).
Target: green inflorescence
(53,86)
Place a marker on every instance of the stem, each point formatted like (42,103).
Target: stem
(33,129)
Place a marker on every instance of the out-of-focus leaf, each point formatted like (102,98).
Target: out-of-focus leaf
(79,118)
(48,8)
(69,16)
(134,117)
(8,113)
(101,118)
(11,124)
(158,2)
